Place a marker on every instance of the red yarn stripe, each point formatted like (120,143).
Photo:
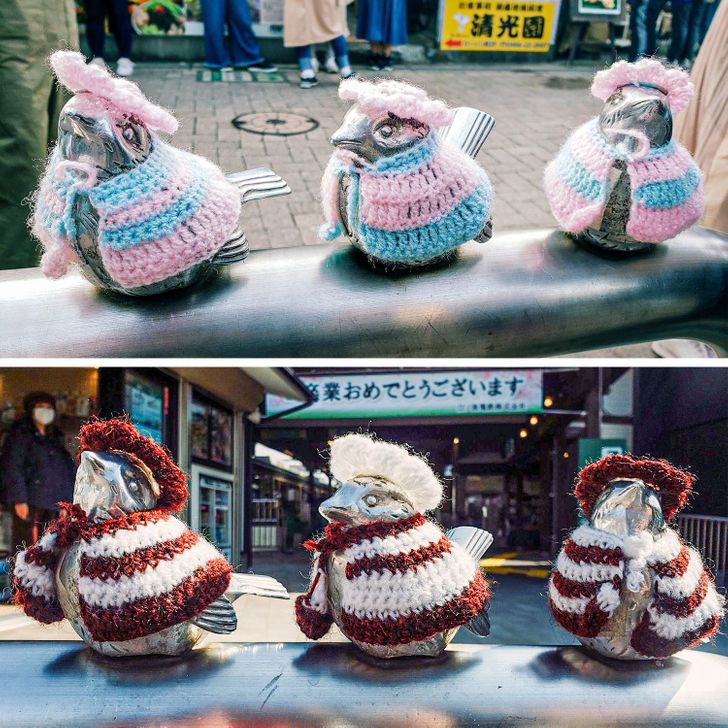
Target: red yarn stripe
(153,614)
(648,643)
(677,567)
(122,523)
(311,622)
(414,627)
(41,557)
(588,624)
(683,607)
(572,589)
(401,562)
(41,609)
(592,554)
(114,567)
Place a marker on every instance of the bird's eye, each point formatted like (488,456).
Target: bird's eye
(129,134)
(386,130)
(371,500)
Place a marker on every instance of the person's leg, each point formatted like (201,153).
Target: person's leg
(341,52)
(121,24)
(213,17)
(308,75)
(648,27)
(244,49)
(708,16)
(679,32)
(95,31)
(695,22)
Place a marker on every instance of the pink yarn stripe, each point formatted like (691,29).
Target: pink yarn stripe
(661,169)
(589,154)
(403,202)
(197,240)
(330,193)
(573,212)
(655,225)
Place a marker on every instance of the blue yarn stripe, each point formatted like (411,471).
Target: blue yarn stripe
(141,182)
(161,224)
(462,223)
(668,193)
(578,178)
(419,156)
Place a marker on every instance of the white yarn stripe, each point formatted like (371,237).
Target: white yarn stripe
(670,627)
(680,587)
(129,540)
(584,572)
(38,580)
(47,542)
(666,548)
(401,543)
(608,598)
(394,595)
(586,535)
(318,599)
(574,605)
(151,582)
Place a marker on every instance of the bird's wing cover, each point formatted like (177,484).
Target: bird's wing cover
(475,541)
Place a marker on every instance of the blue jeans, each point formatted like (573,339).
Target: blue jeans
(244,50)
(678,51)
(639,29)
(338,45)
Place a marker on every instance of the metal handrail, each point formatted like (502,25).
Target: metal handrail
(524,293)
(709,534)
(56,684)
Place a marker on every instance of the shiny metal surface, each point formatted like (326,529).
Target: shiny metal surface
(56,684)
(526,293)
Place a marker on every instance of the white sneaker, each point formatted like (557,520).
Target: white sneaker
(124,67)
(315,65)
(330,65)
(97,61)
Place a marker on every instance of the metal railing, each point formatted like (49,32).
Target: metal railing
(524,293)
(709,534)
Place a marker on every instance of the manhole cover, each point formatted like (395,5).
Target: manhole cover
(275,123)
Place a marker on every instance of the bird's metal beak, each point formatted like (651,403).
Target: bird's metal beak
(352,132)
(338,508)
(629,506)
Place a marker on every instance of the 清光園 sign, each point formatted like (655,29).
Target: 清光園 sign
(487,25)
(413,394)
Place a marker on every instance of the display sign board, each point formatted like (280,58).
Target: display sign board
(592,449)
(416,394)
(495,25)
(592,11)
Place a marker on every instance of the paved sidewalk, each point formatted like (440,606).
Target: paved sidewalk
(535,108)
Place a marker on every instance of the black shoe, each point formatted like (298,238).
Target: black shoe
(375,61)
(262,67)
(386,63)
(308,82)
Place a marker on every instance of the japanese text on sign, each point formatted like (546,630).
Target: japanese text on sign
(408,394)
(491,25)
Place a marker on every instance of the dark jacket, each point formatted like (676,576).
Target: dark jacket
(35,469)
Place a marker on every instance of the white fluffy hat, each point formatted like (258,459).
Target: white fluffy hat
(355,455)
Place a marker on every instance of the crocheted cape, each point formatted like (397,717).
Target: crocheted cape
(412,207)
(405,581)
(593,567)
(171,211)
(666,186)
(139,574)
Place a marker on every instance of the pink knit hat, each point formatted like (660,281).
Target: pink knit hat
(379,98)
(79,77)
(674,82)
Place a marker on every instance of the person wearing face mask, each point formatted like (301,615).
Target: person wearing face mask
(36,470)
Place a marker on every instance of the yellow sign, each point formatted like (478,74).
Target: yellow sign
(490,25)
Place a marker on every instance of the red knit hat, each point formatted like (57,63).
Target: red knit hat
(119,434)
(673,485)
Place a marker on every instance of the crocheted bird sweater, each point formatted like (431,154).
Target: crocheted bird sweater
(666,186)
(412,207)
(171,211)
(593,567)
(404,582)
(139,574)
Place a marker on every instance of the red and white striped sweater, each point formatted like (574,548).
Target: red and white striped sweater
(139,573)
(594,566)
(404,581)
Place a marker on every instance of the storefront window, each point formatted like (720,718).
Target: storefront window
(211,432)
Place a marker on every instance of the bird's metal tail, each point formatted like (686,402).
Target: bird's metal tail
(256,584)
(468,129)
(475,541)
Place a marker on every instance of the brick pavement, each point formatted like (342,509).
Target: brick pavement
(534,107)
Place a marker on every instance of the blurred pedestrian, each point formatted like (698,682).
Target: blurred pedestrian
(384,24)
(244,49)
(30,102)
(117,12)
(307,22)
(639,36)
(36,470)
(684,27)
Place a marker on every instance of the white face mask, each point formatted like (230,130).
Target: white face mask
(44,415)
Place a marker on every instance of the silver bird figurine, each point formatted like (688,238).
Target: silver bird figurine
(402,184)
(136,215)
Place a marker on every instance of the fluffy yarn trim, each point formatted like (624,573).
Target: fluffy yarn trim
(119,434)
(77,76)
(355,455)
(673,485)
(673,81)
(382,97)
